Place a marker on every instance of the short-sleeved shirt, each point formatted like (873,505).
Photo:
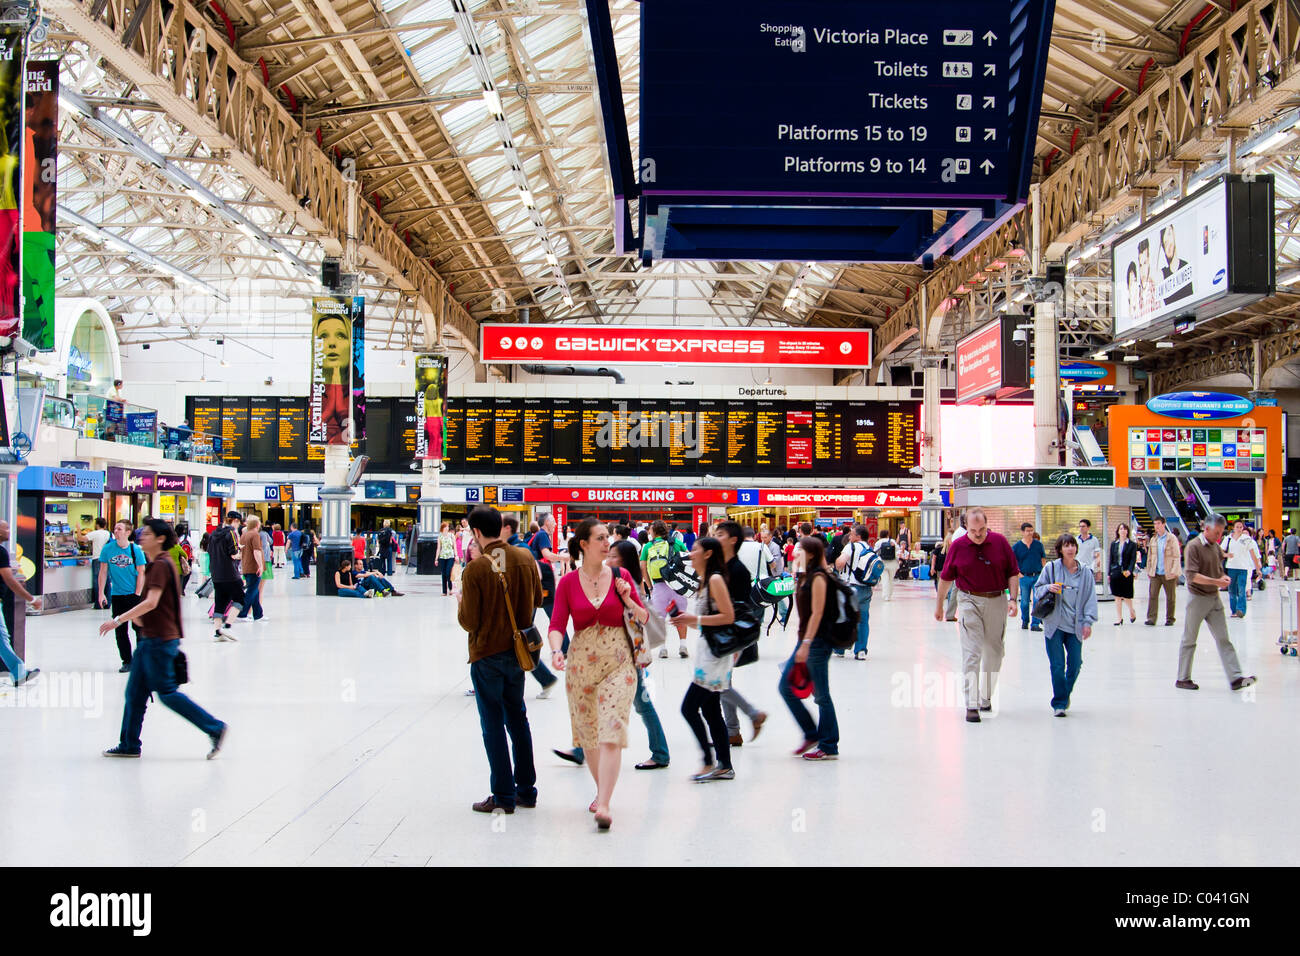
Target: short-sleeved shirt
(295,539)
(122,564)
(251,542)
(542,542)
(1243,552)
(739,582)
(6,595)
(221,554)
(1291,544)
(98,538)
(981,567)
(1030,558)
(358,547)
(1201,557)
(277,539)
(660,548)
(162,622)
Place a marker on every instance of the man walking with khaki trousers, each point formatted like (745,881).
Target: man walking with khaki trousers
(1205,576)
(1164,564)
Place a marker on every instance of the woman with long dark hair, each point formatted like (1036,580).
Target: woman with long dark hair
(600,673)
(703,701)
(815,601)
(1123,567)
(153,665)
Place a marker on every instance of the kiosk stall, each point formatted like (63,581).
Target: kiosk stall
(56,507)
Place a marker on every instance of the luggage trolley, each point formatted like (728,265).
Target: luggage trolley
(1290,596)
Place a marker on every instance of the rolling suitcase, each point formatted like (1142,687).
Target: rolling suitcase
(205,589)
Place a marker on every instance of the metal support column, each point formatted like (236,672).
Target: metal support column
(430,516)
(1047,393)
(9,512)
(932,523)
(335,519)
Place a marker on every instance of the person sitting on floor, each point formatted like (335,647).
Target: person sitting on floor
(367,585)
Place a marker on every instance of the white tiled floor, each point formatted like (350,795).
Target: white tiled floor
(352,743)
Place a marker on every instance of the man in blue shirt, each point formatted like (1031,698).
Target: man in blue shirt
(1029,555)
(121,566)
(295,552)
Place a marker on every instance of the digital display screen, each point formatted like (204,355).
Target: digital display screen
(508,434)
(263,429)
(404,428)
(454,423)
(566,435)
(234,429)
(205,415)
(535,435)
(1200,450)
(479,434)
(292,430)
(379,430)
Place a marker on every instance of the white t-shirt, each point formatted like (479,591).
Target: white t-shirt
(1089,552)
(751,555)
(1242,553)
(98,538)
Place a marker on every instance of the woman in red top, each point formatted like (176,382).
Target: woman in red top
(277,542)
(600,677)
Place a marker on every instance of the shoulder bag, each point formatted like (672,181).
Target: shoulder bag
(736,636)
(638,634)
(1045,606)
(528,642)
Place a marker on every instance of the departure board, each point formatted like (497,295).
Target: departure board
(292,430)
(880,437)
(711,436)
(799,434)
(682,437)
(263,429)
(454,423)
(769,438)
(234,429)
(616,432)
(566,436)
(508,434)
(405,429)
(594,447)
(651,453)
(379,430)
(479,434)
(535,436)
(828,432)
(205,415)
(738,435)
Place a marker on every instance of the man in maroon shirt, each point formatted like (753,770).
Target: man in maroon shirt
(987,578)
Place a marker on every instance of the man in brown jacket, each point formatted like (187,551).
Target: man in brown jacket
(1164,564)
(500,574)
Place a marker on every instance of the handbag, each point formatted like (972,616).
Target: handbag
(528,642)
(1045,606)
(638,637)
(180,668)
(736,636)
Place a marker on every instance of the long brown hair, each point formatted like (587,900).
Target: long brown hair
(815,549)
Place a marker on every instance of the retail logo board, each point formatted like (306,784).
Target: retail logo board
(1037,478)
(659,345)
(174,484)
(130,480)
(1208,450)
(1200,406)
(221,488)
(632,496)
(835,498)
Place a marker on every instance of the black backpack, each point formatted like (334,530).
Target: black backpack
(887,551)
(839,626)
(386,538)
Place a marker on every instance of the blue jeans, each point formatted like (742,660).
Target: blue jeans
(1027,599)
(297,563)
(17,669)
(387,559)
(377,583)
(826,730)
(499,693)
(1065,655)
(1239,577)
(444,569)
(94,586)
(252,597)
(352,592)
(152,671)
(645,709)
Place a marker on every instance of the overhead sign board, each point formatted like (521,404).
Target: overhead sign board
(860,100)
(668,345)
(1200,406)
(1198,449)
(632,496)
(990,363)
(221,488)
(1210,254)
(823,498)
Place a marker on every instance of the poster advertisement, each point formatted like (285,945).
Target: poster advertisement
(331,370)
(142,428)
(358,374)
(11,176)
(430,405)
(40,180)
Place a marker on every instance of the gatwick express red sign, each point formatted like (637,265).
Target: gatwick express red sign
(674,345)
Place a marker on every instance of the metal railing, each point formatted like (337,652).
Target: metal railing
(97,417)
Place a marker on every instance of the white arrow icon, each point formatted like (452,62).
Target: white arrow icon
(990,69)
(990,133)
(990,102)
(990,37)
(987,166)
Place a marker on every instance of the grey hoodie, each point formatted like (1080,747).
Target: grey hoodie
(1075,606)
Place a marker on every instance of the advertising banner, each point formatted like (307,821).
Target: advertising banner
(866,498)
(358,373)
(632,496)
(673,345)
(221,488)
(1200,406)
(380,491)
(129,480)
(142,428)
(176,484)
(40,182)
(11,175)
(1037,478)
(329,406)
(430,406)
(979,363)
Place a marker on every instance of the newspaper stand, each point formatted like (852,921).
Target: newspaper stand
(1290,596)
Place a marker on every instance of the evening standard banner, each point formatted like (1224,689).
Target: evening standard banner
(329,405)
(430,406)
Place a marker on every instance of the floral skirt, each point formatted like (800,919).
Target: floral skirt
(600,683)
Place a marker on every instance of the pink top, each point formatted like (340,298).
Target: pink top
(572,602)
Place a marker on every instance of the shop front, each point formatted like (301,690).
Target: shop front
(219,491)
(129,494)
(877,509)
(57,507)
(685,508)
(174,494)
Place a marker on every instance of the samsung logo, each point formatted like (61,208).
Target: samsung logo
(1220,277)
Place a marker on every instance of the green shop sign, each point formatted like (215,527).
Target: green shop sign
(1037,478)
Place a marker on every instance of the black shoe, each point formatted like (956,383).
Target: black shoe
(526,804)
(1241,682)
(1037,627)
(1187,685)
(570,756)
(490,805)
(972,716)
(1149,623)
(124,669)
(986,708)
(217,740)
(650,764)
(1024,627)
(1169,623)
(120,751)
(35,671)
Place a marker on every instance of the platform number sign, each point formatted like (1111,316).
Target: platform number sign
(473,496)
(272,492)
(747,496)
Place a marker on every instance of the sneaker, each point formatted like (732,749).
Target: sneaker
(34,672)
(217,740)
(545,692)
(120,751)
(663,653)
(820,754)
(681,651)
(1058,712)
(805,746)
(124,669)
(262,619)
(860,656)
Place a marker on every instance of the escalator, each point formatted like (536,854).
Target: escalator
(1087,448)
(1142,520)
(1160,504)
(1190,500)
